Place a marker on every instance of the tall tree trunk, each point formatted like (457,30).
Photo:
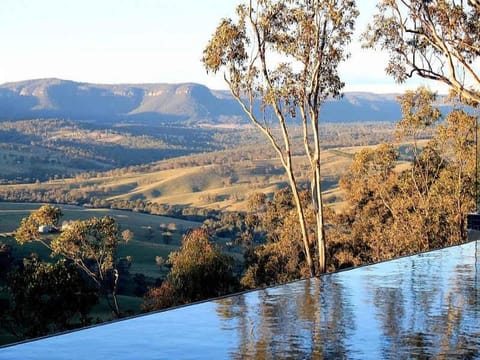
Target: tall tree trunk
(311,36)
(301,218)
(319,220)
(317,187)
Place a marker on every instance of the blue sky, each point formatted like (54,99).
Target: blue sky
(138,41)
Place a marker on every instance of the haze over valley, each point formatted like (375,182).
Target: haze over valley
(51,128)
(174,104)
(177,144)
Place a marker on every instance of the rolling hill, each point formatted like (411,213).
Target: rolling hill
(179,104)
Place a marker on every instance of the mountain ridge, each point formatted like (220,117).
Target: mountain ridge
(179,103)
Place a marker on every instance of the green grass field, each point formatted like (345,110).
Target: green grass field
(12,213)
(147,243)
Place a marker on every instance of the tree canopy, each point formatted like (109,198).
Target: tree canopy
(47,215)
(199,271)
(397,212)
(280,60)
(90,244)
(46,298)
(434,39)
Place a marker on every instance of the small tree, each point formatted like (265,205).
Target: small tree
(127,235)
(199,271)
(280,61)
(48,215)
(91,244)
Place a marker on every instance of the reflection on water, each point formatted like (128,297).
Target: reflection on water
(425,306)
(292,321)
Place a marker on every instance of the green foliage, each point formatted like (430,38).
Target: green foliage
(273,263)
(47,215)
(288,30)
(93,240)
(418,113)
(281,258)
(228,46)
(199,270)
(45,298)
(92,245)
(27,231)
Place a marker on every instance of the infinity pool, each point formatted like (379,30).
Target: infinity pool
(423,306)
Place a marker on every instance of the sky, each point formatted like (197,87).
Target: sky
(140,41)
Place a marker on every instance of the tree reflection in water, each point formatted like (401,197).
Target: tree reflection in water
(422,307)
(294,321)
(432,310)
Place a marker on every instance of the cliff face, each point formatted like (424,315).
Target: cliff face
(177,103)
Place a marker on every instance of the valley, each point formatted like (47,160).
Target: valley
(159,174)
(219,174)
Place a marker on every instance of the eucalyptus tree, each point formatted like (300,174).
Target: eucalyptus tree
(90,244)
(280,61)
(434,39)
(199,270)
(28,230)
(395,211)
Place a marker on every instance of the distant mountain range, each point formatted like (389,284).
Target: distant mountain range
(182,104)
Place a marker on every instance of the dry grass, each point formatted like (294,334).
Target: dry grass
(202,186)
(207,187)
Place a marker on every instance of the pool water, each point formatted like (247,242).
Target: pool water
(422,306)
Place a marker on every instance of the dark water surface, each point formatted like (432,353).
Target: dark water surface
(424,306)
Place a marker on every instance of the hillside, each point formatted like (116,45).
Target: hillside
(199,182)
(46,148)
(180,104)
